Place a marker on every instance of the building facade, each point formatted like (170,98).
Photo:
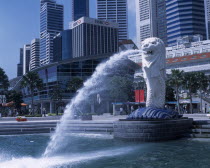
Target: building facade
(114,11)
(62,46)
(93,37)
(51,23)
(207,17)
(26,58)
(80,8)
(57,75)
(151,20)
(20,65)
(184,18)
(35,50)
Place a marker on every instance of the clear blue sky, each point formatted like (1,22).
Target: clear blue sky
(19,24)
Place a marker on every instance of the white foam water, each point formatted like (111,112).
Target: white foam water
(94,85)
(62,161)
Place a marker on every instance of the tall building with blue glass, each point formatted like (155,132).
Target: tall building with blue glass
(62,46)
(51,23)
(184,18)
(80,8)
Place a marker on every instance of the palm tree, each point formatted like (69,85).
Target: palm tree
(191,83)
(176,81)
(56,96)
(16,97)
(203,83)
(32,81)
(4,82)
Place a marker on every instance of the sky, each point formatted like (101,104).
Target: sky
(19,24)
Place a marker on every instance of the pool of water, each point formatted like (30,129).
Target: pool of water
(102,151)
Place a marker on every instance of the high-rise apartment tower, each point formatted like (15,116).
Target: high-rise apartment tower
(114,11)
(26,58)
(35,50)
(151,20)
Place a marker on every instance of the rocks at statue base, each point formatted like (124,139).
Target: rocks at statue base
(154,113)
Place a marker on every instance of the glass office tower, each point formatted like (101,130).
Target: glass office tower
(80,8)
(51,23)
(184,18)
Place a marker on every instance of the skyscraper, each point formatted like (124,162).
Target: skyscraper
(115,11)
(62,46)
(26,58)
(35,50)
(51,23)
(151,20)
(80,8)
(93,37)
(207,13)
(184,18)
(20,65)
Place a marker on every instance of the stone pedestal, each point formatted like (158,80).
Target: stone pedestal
(152,130)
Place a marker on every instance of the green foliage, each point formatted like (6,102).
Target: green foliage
(169,93)
(16,97)
(56,93)
(191,82)
(32,81)
(54,114)
(74,84)
(176,78)
(194,81)
(121,89)
(36,115)
(4,82)
(203,81)
(175,81)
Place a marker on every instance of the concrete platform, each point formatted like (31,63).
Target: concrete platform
(152,130)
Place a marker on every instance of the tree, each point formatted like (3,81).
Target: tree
(16,97)
(4,82)
(32,81)
(191,84)
(169,93)
(176,81)
(56,96)
(203,83)
(121,89)
(74,84)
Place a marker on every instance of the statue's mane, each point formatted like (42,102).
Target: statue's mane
(158,57)
(158,62)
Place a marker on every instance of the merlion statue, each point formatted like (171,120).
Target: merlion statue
(154,71)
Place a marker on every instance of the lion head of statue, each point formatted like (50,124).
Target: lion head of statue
(154,54)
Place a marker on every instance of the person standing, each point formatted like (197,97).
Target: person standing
(44,112)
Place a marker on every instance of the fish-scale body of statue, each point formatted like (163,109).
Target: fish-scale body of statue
(154,71)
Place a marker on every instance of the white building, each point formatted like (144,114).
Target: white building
(186,49)
(35,50)
(189,57)
(26,58)
(93,37)
(115,11)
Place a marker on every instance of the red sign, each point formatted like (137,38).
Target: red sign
(139,96)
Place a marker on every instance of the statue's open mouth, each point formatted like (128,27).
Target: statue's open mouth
(149,52)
